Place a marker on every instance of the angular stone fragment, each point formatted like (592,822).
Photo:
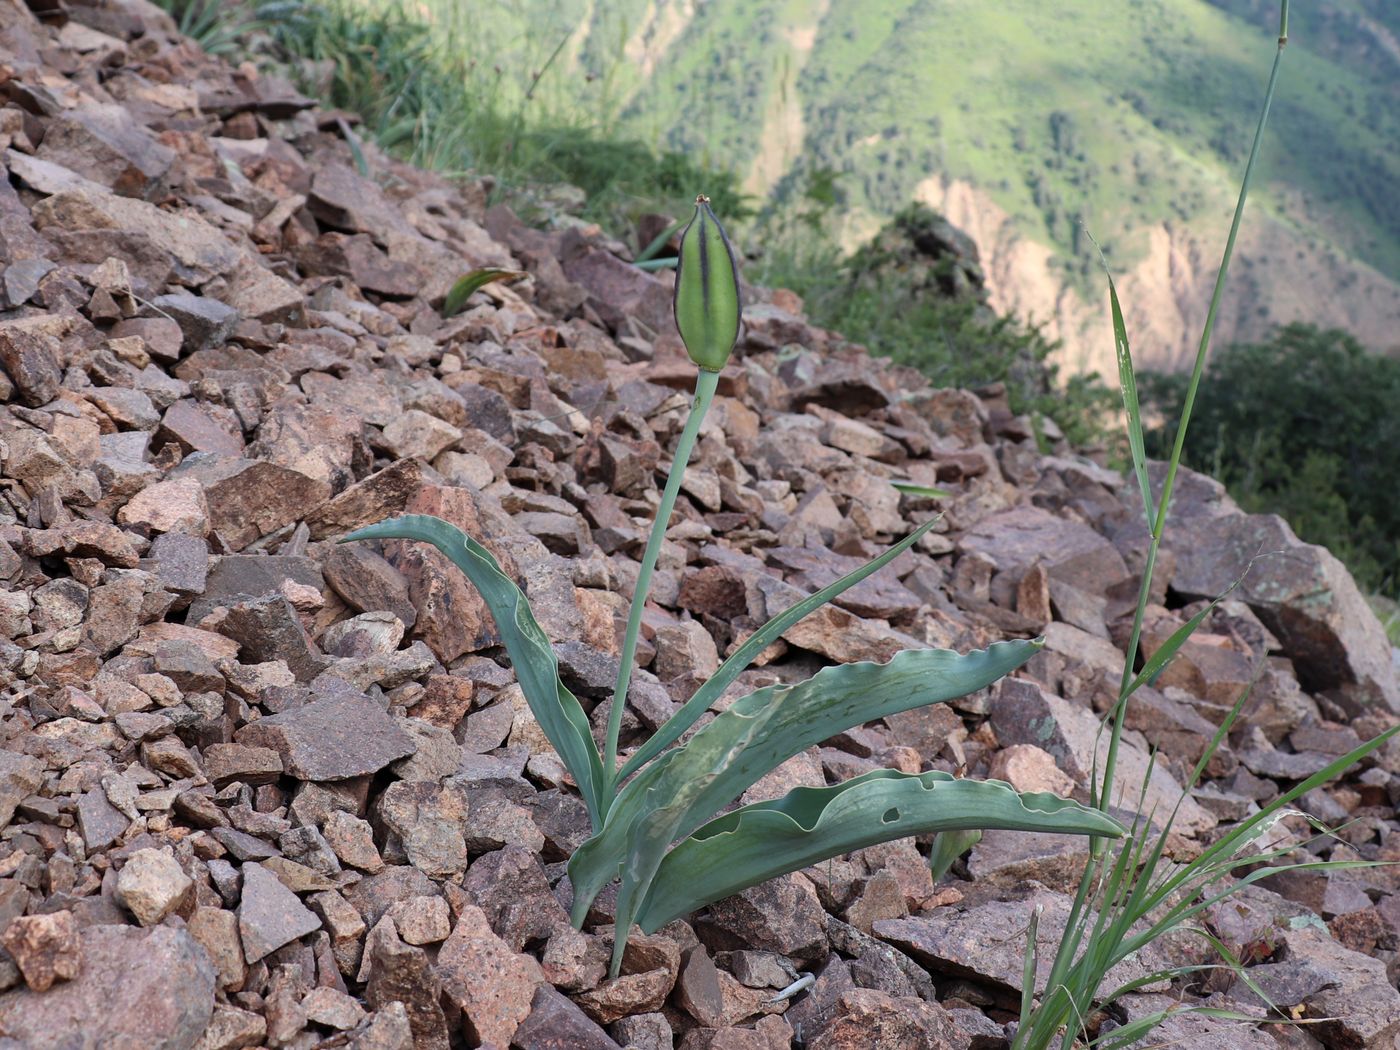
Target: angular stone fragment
(46,948)
(204,322)
(103,143)
(268,628)
(970,941)
(418,435)
(632,993)
(332,1008)
(224,763)
(197,249)
(1303,594)
(152,988)
(428,820)
(152,885)
(490,984)
(352,839)
(331,739)
(20,777)
(169,506)
(1023,713)
(248,499)
(782,915)
(379,496)
(200,427)
(867,1019)
(100,822)
(555,1023)
(269,914)
(232,1029)
(217,932)
(31,360)
(400,972)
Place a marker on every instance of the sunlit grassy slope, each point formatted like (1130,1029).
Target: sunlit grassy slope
(1124,114)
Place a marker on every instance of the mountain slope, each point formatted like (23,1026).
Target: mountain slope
(1024,119)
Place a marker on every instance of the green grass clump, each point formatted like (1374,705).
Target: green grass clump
(1128,897)
(1301,425)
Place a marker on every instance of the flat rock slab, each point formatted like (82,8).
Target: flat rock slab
(151,988)
(987,942)
(331,739)
(270,915)
(1301,593)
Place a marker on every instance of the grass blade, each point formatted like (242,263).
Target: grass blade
(1127,382)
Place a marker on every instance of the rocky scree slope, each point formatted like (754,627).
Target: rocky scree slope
(257,789)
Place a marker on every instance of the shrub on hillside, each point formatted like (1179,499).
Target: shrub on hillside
(916,294)
(1304,425)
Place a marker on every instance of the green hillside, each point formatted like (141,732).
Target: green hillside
(1126,115)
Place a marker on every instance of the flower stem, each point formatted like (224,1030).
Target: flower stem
(705,385)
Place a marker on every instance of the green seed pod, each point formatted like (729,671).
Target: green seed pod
(707,290)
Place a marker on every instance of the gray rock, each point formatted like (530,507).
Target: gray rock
(31,359)
(975,940)
(1302,594)
(428,820)
(151,988)
(555,1023)
(204,322)
(20,777)
(269,914)
(331,739)
(152,884)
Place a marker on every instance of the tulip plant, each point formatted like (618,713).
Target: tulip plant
(657,813)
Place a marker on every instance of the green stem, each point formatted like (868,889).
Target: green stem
(705,385)
(1178,446)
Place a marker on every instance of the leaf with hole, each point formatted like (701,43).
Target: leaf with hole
(808,825)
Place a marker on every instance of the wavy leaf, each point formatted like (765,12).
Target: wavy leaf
(536,667)
(740,659)
(808,825)
(751,737)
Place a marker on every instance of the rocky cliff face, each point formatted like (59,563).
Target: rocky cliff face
(257,789)
(1279,276)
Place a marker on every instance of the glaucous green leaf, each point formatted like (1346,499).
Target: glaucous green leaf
(467,284)
(947,847)
(752,736)
(808,825)
(740,659)
(536,667)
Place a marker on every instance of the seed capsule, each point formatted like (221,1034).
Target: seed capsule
(707,290)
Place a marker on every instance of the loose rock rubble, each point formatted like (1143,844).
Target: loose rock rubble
(257,789)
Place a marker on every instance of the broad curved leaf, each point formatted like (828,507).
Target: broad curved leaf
(740,659)
(536,667)
(808,825)
(754,735)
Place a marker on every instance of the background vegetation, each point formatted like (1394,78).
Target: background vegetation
(1304,425)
